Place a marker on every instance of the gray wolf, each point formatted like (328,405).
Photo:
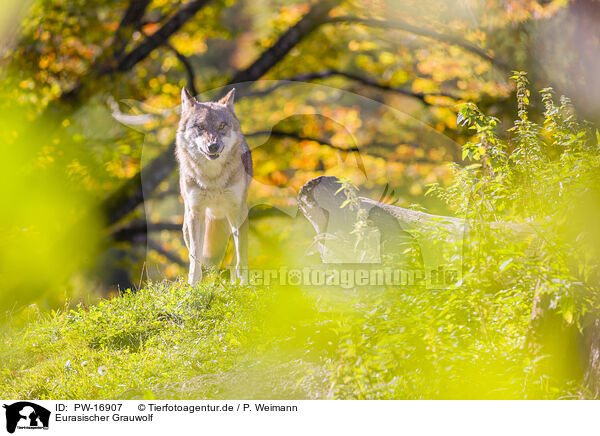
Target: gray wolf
(215,171)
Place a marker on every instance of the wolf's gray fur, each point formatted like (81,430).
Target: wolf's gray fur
(215,167)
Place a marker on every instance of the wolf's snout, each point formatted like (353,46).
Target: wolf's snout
(213,148)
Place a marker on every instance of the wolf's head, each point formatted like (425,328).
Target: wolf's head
(208,130)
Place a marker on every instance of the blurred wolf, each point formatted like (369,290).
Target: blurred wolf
(215,167)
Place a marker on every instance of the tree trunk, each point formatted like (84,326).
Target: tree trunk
(591,378)
(554,343)
(439,239)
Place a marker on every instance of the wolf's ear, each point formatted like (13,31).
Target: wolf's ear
(187,101)
(228,99)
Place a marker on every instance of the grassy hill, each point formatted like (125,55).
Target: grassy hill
(167,340)
(217,341)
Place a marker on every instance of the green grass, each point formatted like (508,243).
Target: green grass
(218,341)
(167,340)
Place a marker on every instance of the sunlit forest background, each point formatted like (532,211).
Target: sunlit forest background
(485,110)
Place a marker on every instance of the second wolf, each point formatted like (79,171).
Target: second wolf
(215,167)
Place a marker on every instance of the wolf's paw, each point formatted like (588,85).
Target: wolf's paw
(238,280)
(237,277)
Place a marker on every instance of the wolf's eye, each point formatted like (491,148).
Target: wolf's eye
(223,126)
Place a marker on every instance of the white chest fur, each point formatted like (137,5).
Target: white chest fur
(217,189)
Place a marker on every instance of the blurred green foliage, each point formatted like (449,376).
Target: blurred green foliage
(49,228)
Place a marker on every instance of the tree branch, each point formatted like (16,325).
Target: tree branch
(130,231)
(170,256)
(188,68)
(137,230)
(321,194)
(283,134)
(365,148)
(120,61)
(309,22)
(131,194)
(128,119)
(306,77)
(406,27)
(131,19)
(172,25)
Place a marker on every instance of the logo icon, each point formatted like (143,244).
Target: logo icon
(26,415)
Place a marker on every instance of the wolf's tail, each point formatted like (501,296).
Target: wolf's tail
(216,237)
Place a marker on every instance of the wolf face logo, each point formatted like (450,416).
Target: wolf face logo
(215,167)
(24,414)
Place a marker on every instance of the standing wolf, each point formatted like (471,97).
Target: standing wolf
(215,168)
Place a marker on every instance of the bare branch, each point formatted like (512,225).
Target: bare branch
(131,19)
(283,134)
(170,256)
(131,230)
(188,68)
(128,119)
(409,220)
(309,22)
(370,148)
(136,231)
(307,77)
(166,193)
(123,201)
(120,61)
(134,13)
(404,26)
(158,38)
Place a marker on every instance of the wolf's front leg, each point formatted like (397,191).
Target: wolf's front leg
(193,232)
(239,231)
